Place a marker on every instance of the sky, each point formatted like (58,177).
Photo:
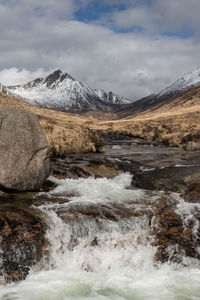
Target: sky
(131,47)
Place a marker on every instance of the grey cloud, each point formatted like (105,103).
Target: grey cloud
(132,65)
(159,16)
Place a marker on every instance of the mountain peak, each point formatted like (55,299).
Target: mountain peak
(56,77)
(188,80)
(58,71)
(61,91)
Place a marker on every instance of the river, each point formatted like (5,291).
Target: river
(101,242)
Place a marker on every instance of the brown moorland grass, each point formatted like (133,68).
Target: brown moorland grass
(65,133)
(174,123)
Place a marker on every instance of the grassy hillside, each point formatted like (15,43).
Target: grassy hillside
(174,122)
(65,133)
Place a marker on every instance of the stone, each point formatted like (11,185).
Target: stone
(171,237)
(176,179)
(24,151)
(192,146)
(22,241)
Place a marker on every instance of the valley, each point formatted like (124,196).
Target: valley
(121,205)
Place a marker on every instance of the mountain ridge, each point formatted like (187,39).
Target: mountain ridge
(152,102)
(61,91)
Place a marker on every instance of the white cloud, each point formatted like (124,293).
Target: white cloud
(15,76)
(38,38)
(159,16)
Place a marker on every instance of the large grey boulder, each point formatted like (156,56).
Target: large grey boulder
(24,151)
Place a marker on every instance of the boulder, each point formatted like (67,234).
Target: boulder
(24,151)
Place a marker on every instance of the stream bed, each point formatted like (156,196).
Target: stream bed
(103,237)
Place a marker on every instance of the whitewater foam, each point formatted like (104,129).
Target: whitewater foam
(101,258)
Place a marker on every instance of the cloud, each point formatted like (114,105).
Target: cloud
(15,76)
(37,37)
(158,16)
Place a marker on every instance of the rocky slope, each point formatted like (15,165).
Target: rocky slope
(187,81)
(62,92)
(111,97)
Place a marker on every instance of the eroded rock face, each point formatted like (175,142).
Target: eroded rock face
(24,151)
(22,241)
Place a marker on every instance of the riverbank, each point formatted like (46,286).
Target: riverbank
(92,209)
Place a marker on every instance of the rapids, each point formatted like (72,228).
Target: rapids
(106,255)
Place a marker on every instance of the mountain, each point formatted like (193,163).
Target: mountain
(111,97)
(62,92)
(170,94)
(187,81)
(3,88)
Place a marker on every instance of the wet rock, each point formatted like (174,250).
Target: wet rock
(99,168)
(69,171)
(24,151)
(108,168)
(48,186)
(193,196)
(22,241)
(96,168)
(176,179)
(172,238)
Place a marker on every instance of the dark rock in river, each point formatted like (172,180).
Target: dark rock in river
(173,239)
(24,151)
(22,241)
(176,179)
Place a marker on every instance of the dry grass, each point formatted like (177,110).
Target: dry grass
(168,129)
(65,133)
(70,137)
(174,123)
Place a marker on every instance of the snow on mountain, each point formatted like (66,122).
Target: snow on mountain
(61,91)
(4,89)
(187,81)
(111,97)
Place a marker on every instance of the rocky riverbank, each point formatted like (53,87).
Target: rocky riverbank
(152,167)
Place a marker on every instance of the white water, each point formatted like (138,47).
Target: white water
(121,266)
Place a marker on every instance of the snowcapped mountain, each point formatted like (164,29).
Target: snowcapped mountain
(4,89)
(187,81)
(61,91)
(166,96)
(111,97)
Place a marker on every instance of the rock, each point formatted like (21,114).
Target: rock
(24,151)
(176,179)
(192,146)
(193,196)
(22,241)
(172,238)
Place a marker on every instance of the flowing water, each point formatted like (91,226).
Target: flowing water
(101,257)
